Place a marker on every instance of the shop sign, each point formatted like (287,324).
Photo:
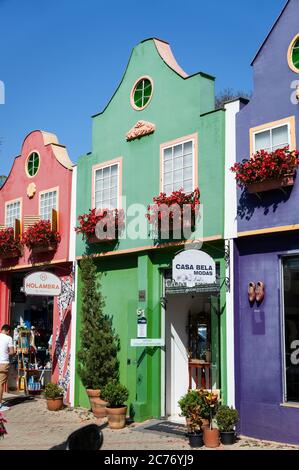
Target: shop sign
(147,342)
(193,267)
(142,326)
(42,283)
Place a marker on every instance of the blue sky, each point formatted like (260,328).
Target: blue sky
(61,60)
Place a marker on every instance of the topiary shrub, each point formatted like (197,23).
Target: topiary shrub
(115,394)
(227,418)
(99,344)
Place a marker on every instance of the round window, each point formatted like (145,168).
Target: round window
(293,55)
(33,164)
(142,93)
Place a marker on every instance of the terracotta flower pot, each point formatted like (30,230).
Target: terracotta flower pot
(116,417)
(211,437)
(93,393)
(55,404)
(98,406)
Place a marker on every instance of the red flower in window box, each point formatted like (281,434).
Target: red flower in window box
(174,212)
(266,171)
(40,237)
(101,225)
(10,246)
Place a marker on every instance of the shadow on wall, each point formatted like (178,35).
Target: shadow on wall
(267,201)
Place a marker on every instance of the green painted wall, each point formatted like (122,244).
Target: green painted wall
(179,107)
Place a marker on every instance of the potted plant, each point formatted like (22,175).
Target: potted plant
(105,223)
(227,419)
(116,395)
(40,237)
(265,171)
(99,345)
(54,396)
(174,213)
(190,405)
(10,245)
(211,434)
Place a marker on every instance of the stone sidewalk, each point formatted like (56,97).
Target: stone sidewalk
(32,427)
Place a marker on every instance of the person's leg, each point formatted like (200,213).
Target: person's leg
(3,379)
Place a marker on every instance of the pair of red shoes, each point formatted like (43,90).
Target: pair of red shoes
(256,292)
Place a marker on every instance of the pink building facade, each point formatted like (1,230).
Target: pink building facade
(39,187)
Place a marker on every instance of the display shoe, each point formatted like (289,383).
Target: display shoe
(251,292)
(260,292)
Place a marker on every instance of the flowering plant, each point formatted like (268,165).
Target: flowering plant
(177,210)
(108,221)
(8,242)
(2,426)
(40,234)
(212,400)
(265,166)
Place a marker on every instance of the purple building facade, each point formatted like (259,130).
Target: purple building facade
(267,247)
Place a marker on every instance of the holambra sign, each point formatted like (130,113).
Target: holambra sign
(193,267)
(42,283)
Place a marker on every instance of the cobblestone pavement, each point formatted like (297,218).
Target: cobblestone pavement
(31,426)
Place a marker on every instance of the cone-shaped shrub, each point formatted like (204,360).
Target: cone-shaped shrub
(97,357)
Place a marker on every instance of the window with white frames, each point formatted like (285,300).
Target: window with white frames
(106,187)
(13,212)
(48,201)
(272,139)
(178,167)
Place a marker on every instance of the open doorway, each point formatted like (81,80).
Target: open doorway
(192,346)
(36,314)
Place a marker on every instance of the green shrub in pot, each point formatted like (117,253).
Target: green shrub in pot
(53,391)
(116,395)
(54,396)
(227,418)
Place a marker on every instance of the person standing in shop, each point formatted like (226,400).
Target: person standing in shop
(6,350)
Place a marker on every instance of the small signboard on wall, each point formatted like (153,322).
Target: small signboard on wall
(193,267)
(141,324)
(42,283)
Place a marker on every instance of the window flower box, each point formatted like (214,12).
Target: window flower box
(107,222)
(43,248)
(171,215)
(41,238)
(268,185)
(10,245)
(267,171)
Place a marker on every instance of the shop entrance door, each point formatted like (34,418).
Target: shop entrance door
(192,347)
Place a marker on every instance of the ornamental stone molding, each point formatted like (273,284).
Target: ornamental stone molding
(140,129)
(31,190)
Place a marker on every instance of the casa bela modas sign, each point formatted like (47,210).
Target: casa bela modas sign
(193,267)
(42,283)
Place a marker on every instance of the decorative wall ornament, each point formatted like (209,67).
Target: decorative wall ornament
(31,190)
(62,336)
(140,129)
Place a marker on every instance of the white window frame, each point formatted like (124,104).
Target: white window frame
(270,129)
(290,121)
(102,166)
(183,140)
(51,190)
(8,203)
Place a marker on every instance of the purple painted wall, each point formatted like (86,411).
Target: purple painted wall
(271,101)
(259,379)
(258,348)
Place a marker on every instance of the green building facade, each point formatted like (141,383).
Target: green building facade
(156,107)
